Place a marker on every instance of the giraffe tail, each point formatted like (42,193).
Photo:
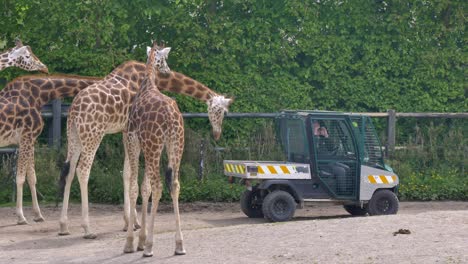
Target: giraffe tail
(169,179)
(63,179)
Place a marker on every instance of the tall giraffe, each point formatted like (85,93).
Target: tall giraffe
(22,57)
(103,109)
(154,122)
(21,101)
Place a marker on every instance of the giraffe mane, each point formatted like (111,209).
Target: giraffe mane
(62,75)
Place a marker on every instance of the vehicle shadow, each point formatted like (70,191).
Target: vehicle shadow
(257,221)
(322,217)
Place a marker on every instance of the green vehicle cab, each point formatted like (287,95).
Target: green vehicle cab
(329,157)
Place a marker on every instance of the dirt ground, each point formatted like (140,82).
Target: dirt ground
(220,233)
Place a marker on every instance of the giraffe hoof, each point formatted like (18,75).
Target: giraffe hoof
(180,252)
(39,219)
(179,249)
(140,248)
(125,229)
(22,222)
(150,254)
(66,233)
(90,236)
(129,250)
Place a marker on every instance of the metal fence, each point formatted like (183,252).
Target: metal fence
(201,150)
(57,111)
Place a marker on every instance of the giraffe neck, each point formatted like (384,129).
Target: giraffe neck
(132,73)
(129,74)
(40,90)
(181,84)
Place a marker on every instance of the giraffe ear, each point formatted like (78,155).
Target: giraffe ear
(18,43)
(165,52)
(148,51)
(231,100)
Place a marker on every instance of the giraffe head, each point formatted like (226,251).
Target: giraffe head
(159,60)
(217,106)
(22,56)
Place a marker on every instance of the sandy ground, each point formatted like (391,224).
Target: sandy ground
(220,233)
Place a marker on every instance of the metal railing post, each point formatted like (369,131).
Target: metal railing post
(56,124)
(391,124)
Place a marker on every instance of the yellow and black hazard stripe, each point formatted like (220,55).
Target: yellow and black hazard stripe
(276,169)
(382,179)
(234,168)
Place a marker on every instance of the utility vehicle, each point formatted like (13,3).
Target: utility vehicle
(329,157)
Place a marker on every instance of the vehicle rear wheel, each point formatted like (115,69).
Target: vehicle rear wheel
(355,210)
(279,206)
(383,202)
(251,205)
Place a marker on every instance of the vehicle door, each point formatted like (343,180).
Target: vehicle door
(334,154)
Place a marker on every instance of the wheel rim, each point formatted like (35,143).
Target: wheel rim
(383,205)
(280,207)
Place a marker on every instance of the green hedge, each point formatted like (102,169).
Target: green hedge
(433,186)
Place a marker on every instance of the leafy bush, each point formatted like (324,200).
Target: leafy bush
(433,186)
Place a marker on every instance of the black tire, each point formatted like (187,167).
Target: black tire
(250,204)
(279,206)
(355,210)
(383,202)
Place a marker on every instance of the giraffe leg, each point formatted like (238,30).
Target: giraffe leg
(31,177)
(69,169)
(156,187)
(175,156)
(132,153)
(179,239)
(20,179)
(145,193)
(126,177)
(83,170)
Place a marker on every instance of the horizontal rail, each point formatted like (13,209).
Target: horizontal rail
(7,150)
(234,115)
(440,115)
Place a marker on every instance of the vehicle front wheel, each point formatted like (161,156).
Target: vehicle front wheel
(355,210)
(279,206)
(383,202)
(251,205)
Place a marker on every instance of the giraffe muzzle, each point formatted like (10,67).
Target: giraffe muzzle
(216,135)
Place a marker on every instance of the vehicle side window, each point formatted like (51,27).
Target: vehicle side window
(294,140)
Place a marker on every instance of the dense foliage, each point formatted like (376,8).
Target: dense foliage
(342,55)
(270,55)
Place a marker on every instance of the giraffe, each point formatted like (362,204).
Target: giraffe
(154,122)
(103,109)
(22,57)
(20,123)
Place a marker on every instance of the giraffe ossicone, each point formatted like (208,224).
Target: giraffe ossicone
(22,57)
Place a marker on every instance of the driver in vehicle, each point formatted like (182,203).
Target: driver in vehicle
(319,130)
